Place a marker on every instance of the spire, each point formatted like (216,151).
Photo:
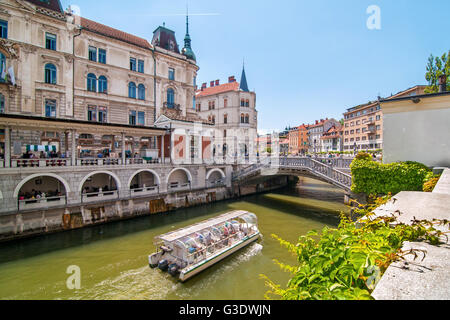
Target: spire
(244,86)
(187,50)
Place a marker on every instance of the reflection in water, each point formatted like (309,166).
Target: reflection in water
(113,258)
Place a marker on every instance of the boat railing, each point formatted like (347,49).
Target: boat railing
(206,252)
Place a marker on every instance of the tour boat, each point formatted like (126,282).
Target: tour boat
(187,252)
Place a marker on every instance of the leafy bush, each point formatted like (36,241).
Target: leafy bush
(347,263)
(363,156)
(431,183)
(373,178)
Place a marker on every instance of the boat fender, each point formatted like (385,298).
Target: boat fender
(174,270)
(163,265)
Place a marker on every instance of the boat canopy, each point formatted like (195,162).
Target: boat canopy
(201,230)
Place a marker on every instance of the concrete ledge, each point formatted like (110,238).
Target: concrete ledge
(419,205)
(417,280)
(443,186)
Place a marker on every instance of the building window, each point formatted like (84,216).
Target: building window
(225,103)
(132,90)
(225,119)
(378,118)
(3,29)
(242,103)
(171,74)
(358,130)
(247,103)
(102,56)
(141,66)
(132,118)
(378,136)
(93,54)
(92,82)
(247,118)
(2,103)
(213,119)
(132,64)
(378,127)
(224,133)
(102,84)
(92,113)
(102,115)
(141,118)
(50,41)
(50,73)
(50,108)
(141,92)
(242,118)
(170,98)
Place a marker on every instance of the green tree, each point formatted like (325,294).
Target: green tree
(436,67)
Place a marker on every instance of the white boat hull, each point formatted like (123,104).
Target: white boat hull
(192,271)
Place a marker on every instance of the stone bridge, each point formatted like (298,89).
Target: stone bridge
(331,171)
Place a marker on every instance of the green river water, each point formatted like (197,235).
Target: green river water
(113,258)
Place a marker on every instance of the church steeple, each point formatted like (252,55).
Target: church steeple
(243,85)
(187,50)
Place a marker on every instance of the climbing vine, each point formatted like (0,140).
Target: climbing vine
(347,262)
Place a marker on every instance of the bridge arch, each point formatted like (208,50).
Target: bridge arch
(220,171)
(186,171)
(39,175)
(152,172)
(109,173)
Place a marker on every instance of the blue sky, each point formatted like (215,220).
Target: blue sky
(306,60)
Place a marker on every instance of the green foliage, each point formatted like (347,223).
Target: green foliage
(373,178)
(363,156)
(436,67)
(346,263)
(431,183)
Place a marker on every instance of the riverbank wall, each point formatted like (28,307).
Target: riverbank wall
(32,223)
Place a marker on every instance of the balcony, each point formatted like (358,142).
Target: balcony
(46,202)
(371,129)
(99,196)
(172,106)
(144,190)
(178,186)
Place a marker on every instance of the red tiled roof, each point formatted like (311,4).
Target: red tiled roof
(114,33)
(233,86)
(321,123)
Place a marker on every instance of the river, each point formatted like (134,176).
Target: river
(113,258)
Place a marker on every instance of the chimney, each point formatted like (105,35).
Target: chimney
(204,86)
(217,83)
(231,79)
(443,83)
(211,84)
(317,121)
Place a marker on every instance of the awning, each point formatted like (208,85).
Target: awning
(41,148)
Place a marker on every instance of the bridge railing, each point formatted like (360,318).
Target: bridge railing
(322,168)
(331,173)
